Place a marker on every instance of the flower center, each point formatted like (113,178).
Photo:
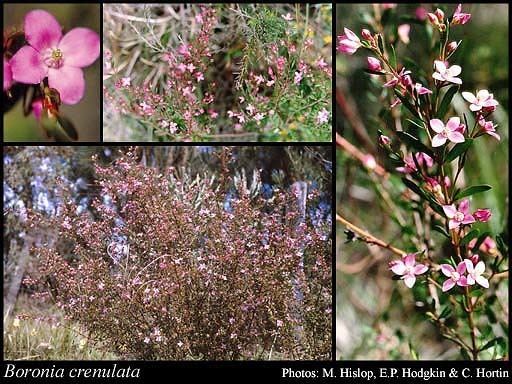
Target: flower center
(459,216)
(54,58)
(455,276)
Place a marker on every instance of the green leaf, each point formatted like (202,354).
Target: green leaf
(413,187)
(415,123)
(472,190)
(68,127)
(414,143)
(501,244)
(406,103)
(392,57)
(492,343)
(441,230)
(458,150)
(445,313)
(476,293)
(470,236)
(445,103)
(414,353)
(373,72)
(465,354)
(164,40)
(381,43)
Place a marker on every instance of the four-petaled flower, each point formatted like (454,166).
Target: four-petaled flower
(446,73)
(455,275)
(448,132)
(459,17)
(323,116)
(483,99)
(60,58)
(408,269)
(475,273)
(348,43)
(458,215)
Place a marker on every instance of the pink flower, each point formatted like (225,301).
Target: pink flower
(403,78)
(420,13)
(410,165)
(408,269)
(348,43)
(448,132)
(475,273)
(483,99)
(395,102)
(452,46)
(482,215)
(366,34)
(421,89)
(456,276)
(7,74)
(374,64)
(126,82)
(61,58)
(489,128)
(297,78)
(320,63)
(37,108)
(279,323)
(459,17)
(287,17)
(323,116)
(183,50)
(458,216)
(384,140)
(487,246)
(199,76)
(403,33)
(446,73)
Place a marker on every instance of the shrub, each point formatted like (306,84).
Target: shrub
(169,267)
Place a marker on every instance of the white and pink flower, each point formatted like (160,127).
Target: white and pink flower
(455,276)
(474,273)
(447,73)
(458,216)
(348,43)
(482,99)
(450,131)
(408,269)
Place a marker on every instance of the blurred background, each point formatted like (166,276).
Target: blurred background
(86,114)
(376,318)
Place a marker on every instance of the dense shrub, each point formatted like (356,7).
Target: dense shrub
(170,267)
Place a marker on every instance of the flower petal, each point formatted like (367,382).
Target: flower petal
(464,206)
(449,211)
(455,70)
(7,75)
(440,66)
(470,280)
(480,268)
(437,125)
(420,269)
(42,30)
(482,281)
(409,280)
(80,47)
(469,97)
(461,268)
(475,107)
(448,284)
(482,94)
(453,123)
(469,265)
(438,140)
(463,281)
(468,219)
(27,66)
(410,260)
(70,83)
(452,224)
(455,137)
(351,35)
(447,270)
(398,268)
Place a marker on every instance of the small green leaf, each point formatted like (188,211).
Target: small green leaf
(406,103)
(413,187)
(164,40)
(414,143)
(472,190)
(392,57)
(492,343)
(441,230)
(476,293)
(414,353)
(415,123)
(465,354)
(381,43)
(445,103)
(458,150)
(501,244)
(68,127)
(470,236)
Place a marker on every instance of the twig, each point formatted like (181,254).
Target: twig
(356,153)
(368,238)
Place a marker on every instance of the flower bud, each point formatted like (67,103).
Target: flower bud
(366,34)
(475,259)
(406,81)
(482,215)
(432,18)
(440,15)
(450,48)
(374,64)
(384,140)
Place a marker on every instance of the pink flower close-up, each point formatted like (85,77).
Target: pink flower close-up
(488,128)
(408,269)
(458,215)
(410,165)
(487,246)
(60,58)
(482,99)
(455,275)
(450,131)
(7,75)
(403,33)
(348,43)
(421,89)
(474,273)
(460,18)
(446,73)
